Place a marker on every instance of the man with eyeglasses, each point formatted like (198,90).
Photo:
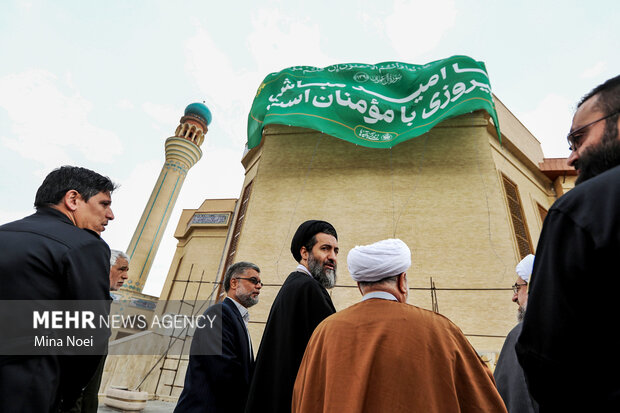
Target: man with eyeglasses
(508,373)
(568,347)
(221,357)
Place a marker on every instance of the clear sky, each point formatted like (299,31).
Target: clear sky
(103,84)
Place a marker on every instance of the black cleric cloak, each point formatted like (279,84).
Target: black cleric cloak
(301,304)
(572,309)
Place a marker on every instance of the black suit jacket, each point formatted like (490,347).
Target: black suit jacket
(220,367)
(45,257)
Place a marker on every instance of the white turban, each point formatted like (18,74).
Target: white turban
(374,262)
(525,267)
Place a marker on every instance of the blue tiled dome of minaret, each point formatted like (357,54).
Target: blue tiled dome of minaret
(199,109)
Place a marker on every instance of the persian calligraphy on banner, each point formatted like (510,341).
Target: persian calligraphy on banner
(378,105)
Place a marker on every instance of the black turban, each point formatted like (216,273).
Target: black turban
(306,231)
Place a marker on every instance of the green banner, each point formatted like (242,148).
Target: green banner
(377,106)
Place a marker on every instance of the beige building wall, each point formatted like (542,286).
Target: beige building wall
(563,184)
(132,311)
(441,193)
(202,234)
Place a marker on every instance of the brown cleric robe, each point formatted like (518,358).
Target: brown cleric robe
(385,356)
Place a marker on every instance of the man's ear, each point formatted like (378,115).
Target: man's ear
(402,283)
(234,282)
(70,199)
(304,253)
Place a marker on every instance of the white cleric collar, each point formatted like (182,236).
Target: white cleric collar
(379,294)
(303,269)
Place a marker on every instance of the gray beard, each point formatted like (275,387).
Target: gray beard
(247,300)
(325,277)
(520,314)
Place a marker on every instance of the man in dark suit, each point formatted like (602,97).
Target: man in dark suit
(221,357)
(55,255)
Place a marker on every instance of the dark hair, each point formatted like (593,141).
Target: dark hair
(608,95)
(56,184)
(312,241)
(237,269)
(608,98)
(387,280)
(304,236)
(608,102)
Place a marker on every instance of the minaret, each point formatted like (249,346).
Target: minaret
(182,152)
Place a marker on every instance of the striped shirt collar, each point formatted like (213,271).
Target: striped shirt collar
(245,314)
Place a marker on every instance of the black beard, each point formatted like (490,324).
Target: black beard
(598,159)
(325,277)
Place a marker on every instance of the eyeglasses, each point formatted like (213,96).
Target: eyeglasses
(253,280)
(516,287)
(574,140)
